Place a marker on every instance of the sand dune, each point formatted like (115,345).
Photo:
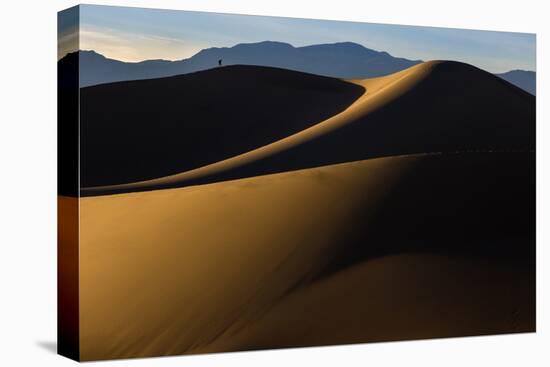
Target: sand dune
(403,212)
(398,297)
(392,248)
(136,130)
(431,107)
(68,277)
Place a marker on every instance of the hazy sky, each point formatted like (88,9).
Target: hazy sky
(135,34)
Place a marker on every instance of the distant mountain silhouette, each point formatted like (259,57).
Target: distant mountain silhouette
(526,80)
(340,60)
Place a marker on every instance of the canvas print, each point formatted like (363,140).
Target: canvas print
(238,182)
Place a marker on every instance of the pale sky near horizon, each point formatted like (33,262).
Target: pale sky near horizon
(136,34)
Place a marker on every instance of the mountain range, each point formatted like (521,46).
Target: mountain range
(524,79)
(346,60)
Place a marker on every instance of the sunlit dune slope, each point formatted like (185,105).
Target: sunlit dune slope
(137,130)
(406,296)
(431,107)
(404,247)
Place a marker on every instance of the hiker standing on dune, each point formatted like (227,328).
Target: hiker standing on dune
(220,62)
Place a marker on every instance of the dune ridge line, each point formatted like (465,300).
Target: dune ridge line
(378,92)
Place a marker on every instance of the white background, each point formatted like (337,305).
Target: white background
(28,54)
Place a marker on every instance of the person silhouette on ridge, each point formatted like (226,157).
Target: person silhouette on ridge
(220,62)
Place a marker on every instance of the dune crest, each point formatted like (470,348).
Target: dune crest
(145,129)
(381,114)
(378,91)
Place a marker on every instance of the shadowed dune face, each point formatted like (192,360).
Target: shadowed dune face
(393,248)
(431,107)
(133,131)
